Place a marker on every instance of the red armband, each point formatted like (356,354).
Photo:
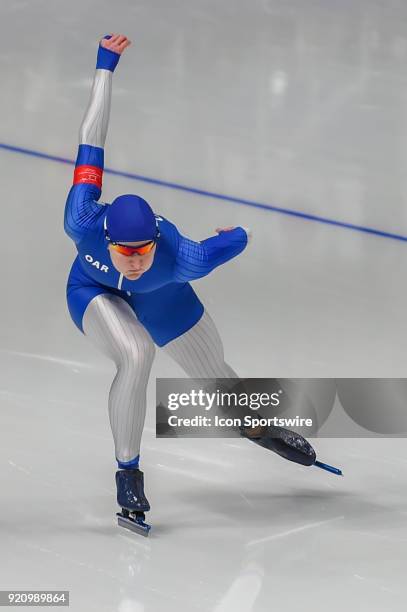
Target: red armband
(88,174)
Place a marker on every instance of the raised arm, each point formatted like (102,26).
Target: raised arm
(197,259)
(82,207)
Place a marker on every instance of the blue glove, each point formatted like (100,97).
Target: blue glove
(107,59)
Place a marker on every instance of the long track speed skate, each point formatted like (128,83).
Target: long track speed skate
(287,444)
(131,498)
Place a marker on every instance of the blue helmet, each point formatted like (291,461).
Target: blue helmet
(129,218)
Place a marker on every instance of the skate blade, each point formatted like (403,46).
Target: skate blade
(137,527)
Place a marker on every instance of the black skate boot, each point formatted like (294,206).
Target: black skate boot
(286,443)
(131,498)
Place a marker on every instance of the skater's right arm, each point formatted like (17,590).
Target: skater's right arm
(82,208)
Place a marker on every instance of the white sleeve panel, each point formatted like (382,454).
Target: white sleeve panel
(94,126)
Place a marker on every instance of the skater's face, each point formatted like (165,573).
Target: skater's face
(132,266)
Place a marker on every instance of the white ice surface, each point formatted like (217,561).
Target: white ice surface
(300,104)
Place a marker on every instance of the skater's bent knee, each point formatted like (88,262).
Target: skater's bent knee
(135,352)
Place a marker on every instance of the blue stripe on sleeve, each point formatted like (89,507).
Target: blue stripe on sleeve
(82,210)
(90,156)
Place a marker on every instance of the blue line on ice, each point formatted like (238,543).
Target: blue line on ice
(213,195)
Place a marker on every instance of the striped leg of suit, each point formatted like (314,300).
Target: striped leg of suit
(199,351)
(112,326)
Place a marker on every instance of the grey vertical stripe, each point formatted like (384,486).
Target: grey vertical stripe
(199,351)
(112,326)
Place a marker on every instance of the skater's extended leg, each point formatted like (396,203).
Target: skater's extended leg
(110,323)
(199,351)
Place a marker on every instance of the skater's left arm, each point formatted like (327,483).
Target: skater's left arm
(197,259)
